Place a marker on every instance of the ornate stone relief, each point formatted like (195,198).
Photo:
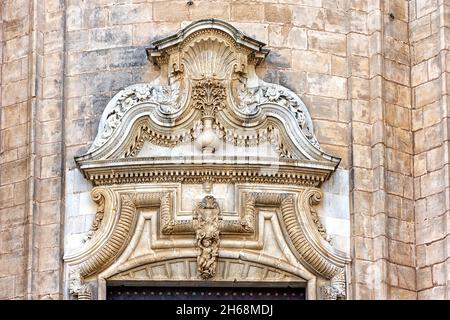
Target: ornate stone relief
(215,122)
(167,98)
(77,288)
(100,200)
(221,134)
(337,288)
(206,222)
(207,227)
(249,100)
(208,96)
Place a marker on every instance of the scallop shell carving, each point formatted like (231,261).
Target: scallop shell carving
(209,57)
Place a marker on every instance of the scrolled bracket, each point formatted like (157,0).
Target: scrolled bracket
(99,198)
(312,197)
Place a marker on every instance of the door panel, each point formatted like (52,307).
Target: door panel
(126,292)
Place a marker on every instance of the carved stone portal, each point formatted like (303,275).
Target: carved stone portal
(208,124)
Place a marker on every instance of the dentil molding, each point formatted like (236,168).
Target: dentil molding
(212,111)
(207,120)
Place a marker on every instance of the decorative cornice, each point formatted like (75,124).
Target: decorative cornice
(207,25)
(213,95)
(266,172)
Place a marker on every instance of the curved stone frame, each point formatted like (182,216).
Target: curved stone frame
(237,100)
(187,104)
(105,255)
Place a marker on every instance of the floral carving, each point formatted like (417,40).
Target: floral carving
(97,197)
(169,118)
(166,97)
(251,98)
(206,222)
(315,197)
(208,95)
(336,289)
(77,288)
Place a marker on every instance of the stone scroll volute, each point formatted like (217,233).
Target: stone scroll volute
(166,150)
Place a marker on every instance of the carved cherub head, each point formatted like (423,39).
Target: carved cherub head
(209,202)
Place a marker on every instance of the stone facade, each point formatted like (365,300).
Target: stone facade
(372,74)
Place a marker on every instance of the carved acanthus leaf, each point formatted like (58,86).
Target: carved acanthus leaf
(77,288)
(166,97)
(315,196)
(251,98)
(208,96)
(100,200)
(337,288)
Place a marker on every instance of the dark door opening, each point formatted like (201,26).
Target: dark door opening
(202,291)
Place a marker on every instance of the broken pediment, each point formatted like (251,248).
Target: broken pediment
(207,117)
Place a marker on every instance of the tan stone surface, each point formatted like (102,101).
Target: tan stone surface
(378,100)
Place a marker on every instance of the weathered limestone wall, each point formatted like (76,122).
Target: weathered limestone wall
(30,146)
(429,36)
(14,142)
(383,219)
(375,86)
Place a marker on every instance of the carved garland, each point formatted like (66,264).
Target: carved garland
(269,134)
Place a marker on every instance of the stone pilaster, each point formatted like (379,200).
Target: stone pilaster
(429,60)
